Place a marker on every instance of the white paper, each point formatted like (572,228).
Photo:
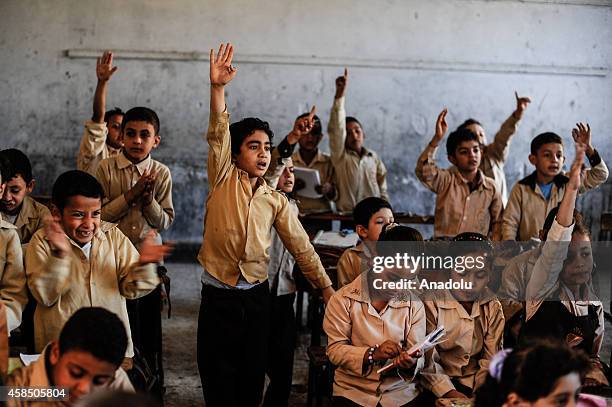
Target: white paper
(311,178)
(335,239)
(27,360)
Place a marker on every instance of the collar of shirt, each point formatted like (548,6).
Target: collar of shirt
(123,162)
(364,152)
(480,179)
(355,291)
(39,376)
(532,179)
(319,157)
(447,301)
(6,225)
(27,212)
(261,185)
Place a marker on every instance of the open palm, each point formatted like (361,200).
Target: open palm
(221,69)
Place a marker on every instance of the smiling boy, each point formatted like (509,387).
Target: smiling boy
(241,211)
(533,197)
(466,200)
(78,261)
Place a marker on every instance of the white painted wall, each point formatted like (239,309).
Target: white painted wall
(407,60)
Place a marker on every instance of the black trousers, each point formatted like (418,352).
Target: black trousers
(281,347)
(233,333)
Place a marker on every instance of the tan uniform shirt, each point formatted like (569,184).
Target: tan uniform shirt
(238,220)
(515,276)
(494,156)
(93,148)
(527,208)
(30,218)
(352,263)
(35,375)
(117,175)
(358,176)
(105,279)
(353,325)
(471,339)
(322,163)
(457,209)
(13,292)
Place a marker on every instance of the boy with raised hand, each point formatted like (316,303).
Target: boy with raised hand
(533,197)
(360,173)
(78,261)
(102,136)
(495,154)
(84,358)
(13,292)
(16,206)
(241,210)
(466,199)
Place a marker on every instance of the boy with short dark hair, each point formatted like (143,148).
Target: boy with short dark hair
(17,207)
(102,136)
(86,357)
(370,216)
(360,173)
(77,260)
(241,210)
(13,292)
(466,199)
(495,154)
(533,197)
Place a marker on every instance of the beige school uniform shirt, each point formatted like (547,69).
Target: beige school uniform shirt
(117,175)
(458,209)
(527,208)
(357,176)
(238,221)
(13,292)
(471,340)
(35,375)
(353,325)
(322,163)
(30,218)
(513,286)
(93,148)
(494,156)
(104,279)
(352,263)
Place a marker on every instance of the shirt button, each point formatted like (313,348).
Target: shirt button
(466,356)
(465,218)
(468,198)
(133,227)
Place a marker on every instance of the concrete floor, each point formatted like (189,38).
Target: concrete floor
(183,387)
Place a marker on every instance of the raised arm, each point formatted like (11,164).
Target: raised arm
(218,136)
(426,169)
(104,71)
(13,293)
(337,120)
(498,149)
(598,173)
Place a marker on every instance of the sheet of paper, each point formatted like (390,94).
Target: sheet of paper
(27,360)
(335,239)
(311,178)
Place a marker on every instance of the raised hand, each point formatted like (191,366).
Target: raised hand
(104,67)
(60,247)
(341,82)
(575,173)
(441,128)
(301,127)
(582,135)
(221,69)
(521,105)
(151,252)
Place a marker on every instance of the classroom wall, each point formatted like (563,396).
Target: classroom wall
(407,60)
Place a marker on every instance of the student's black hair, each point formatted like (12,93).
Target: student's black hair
(141,114)
(478,243)
(468,122)
(544,138)
(96,331)
(367,207)
(115,112)
(351,119)
(397,233)
(531,373)
(72,183)
(19,164)
(579,226)
(457,137)
(317,129)
(244,128)
(5,169)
